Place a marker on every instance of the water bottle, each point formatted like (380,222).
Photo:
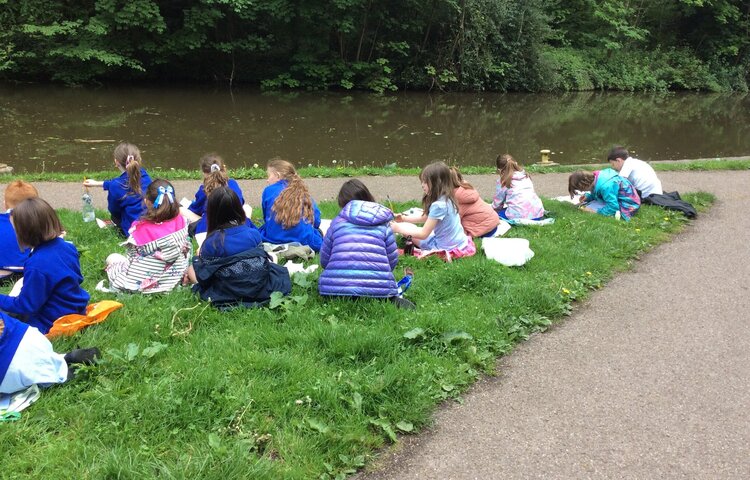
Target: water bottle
(87,207)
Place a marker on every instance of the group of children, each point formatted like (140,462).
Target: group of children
(358,253)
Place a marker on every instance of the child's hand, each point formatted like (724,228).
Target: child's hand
(399,217)
(92,183)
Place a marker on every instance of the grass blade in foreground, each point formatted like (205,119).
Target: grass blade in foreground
(311,388)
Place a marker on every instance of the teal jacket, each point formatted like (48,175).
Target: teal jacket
(616,192)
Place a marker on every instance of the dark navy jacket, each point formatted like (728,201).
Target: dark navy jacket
(359,253)
(245,279)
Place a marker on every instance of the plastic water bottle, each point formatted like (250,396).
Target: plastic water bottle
(87,207)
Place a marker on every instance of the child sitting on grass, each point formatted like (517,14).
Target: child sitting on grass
(609,193)
(12,257)
(214,176)
(52,274)
(477,216)
(232,269)
(359,250)
(125,193)
(158,248)
(442,228)
(289,211)
(515,198)
(27,357)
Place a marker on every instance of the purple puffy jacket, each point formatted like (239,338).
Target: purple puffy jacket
(359,253)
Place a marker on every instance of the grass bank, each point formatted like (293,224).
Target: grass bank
(344,171)
(310,388)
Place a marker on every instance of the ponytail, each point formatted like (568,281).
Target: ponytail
(215,172)
(506,167)
(128,156)
(294,203)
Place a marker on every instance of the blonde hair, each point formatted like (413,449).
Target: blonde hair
(507,166)
(294,203)
(128,156)
(216,172)
(18,191)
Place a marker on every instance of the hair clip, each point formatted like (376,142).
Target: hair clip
(129,159)
(215,167)
(169,191)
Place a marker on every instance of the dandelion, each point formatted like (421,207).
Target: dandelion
(588,273)
(566,291)
(637,230)
(255,165)
(351,162)
(333,162)
(298,402)
(309,165)
(666,219)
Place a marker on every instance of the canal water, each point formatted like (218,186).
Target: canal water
(54,128)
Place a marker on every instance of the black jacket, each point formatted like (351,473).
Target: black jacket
(246,279)
(671,201)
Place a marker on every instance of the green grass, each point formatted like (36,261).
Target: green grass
(312,388)
(337,172)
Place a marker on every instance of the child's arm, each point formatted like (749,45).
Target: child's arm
(391,249)
(410,218)
(420,233)
(33,295)
(325,249)
(609,197)
(92,183)
(498,201)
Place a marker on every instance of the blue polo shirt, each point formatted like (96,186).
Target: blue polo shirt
(10,339)
(123,202)
(198,206)
(274,232)
(230,241)
(51,286)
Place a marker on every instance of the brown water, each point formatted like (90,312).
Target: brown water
(175,126)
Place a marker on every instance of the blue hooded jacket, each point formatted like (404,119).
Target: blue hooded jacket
(359,253)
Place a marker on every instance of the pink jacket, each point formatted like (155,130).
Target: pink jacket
(477,216)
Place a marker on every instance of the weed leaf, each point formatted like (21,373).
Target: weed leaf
(414,333)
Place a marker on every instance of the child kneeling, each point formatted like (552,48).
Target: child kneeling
(158,246)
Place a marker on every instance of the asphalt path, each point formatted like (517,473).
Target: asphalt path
(650,378)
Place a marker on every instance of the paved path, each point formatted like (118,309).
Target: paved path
(650,378)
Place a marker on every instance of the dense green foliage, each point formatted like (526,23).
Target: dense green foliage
(308,388)
(382,45)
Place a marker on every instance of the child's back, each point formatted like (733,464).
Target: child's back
(273,231)
(51,286)
(616,192)
(12,258)
(477,216)
(519,200)
(125,205)
(226,242)
(359,253)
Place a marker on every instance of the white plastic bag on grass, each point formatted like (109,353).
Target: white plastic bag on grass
(511,252)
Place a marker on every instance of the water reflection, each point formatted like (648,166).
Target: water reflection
(175,126)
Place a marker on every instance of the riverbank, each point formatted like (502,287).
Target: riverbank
(310,388)
(259,172)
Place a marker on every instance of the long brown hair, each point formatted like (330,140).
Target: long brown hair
(458,179)
(216,172)
(128,156)
(295,199)
(580,181)
(168,207)
(35,222)
(506,167)
(439,182)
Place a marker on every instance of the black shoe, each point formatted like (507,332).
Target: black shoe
(401,302)
(84,356)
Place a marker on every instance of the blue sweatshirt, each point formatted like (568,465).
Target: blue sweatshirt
(274,232)
(10,339)
(230,241)
(198,206)
(11,256)
(51,286)
(123,203)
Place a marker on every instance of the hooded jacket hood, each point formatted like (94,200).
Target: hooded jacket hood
(367,214)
